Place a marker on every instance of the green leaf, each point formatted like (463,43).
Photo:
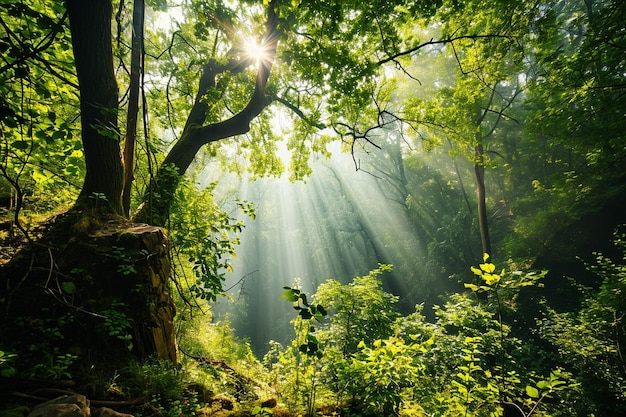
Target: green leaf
(532,392)
(68,287)
(476,271)
(290,295)
(20,144)
(486,267)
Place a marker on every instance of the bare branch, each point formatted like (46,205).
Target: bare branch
(298,112)
(394,57)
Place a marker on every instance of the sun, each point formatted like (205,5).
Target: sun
(258,52)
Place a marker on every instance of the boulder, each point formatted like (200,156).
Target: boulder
(65,406)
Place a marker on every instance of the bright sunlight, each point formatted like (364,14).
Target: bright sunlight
(254,50)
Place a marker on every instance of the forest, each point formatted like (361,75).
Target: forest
(312,208)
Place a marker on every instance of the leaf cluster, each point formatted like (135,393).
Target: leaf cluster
(464,363)
(41,161)
(204,237)
(591,340)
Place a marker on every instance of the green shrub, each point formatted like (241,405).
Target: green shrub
(591,341)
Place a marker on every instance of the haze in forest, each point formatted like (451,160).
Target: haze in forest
(338,223)
(313,207)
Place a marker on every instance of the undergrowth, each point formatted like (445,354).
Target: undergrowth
(353,355)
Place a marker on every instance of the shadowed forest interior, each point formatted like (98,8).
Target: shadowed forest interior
(312,208)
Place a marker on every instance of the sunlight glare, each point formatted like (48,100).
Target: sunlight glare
(254,50)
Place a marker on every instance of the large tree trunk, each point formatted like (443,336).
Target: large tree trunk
(152,331)
(90,24)
(95,285)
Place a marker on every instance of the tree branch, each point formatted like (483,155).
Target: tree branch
(416,48)
(196,134)
(299,112)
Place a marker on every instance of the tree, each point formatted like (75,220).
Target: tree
(471,110)
(331,73)
(574,98)
(90,26)
(100,199)
(53,264)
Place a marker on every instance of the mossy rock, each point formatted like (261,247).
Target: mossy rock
(92,293)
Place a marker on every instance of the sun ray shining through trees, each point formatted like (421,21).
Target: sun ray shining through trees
(385,208)
(338,224)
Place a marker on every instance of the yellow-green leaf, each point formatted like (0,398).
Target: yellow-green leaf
(532,391)
(491,279)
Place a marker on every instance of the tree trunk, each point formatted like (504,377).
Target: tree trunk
(136,69)
(102,296)
(90,24)
(479,170)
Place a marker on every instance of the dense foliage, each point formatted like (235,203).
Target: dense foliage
(522,101)
(466,362)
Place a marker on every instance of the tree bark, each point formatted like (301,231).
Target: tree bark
(136,68)
(90,25)
(479,170)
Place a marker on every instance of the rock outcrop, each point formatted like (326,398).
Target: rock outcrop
(103,293)
(76,405)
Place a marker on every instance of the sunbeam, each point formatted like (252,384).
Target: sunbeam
(338,224)
(258,52)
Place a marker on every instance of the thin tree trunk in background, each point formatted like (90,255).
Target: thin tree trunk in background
(90,23)
(460,178)
(136,68)
(479,170)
